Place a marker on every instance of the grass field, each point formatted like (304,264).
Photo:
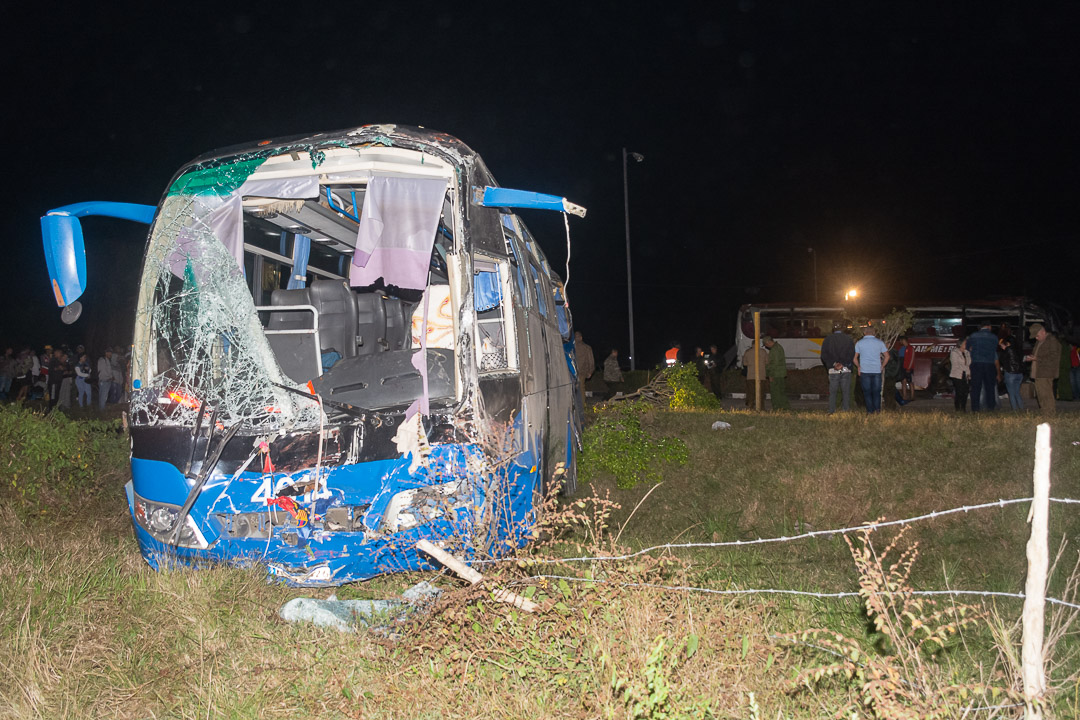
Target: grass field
(88,630)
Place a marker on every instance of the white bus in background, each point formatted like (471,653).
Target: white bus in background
(801,329)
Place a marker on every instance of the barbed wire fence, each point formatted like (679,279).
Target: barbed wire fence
(866,527)
(1033,663)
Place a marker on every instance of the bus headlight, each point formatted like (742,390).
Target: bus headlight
(158,520)
(410,508)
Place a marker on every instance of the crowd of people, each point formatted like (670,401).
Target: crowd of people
(62,376)
(614,381)
(976,366)
(979,362)
(611,372)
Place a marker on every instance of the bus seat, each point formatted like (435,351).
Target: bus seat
(389,379)
(295,353)
(337,316)
(371,323)
(397,324)
(294,320)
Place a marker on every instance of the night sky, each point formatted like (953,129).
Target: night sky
(924,150)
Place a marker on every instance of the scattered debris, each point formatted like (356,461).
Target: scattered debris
(473,577)
(347,615)
(657,392)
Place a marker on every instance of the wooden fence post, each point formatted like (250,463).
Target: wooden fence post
(1038,556)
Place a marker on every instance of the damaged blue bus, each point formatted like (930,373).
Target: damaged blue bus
(343,344)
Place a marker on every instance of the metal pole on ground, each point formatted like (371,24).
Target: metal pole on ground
(1033,665)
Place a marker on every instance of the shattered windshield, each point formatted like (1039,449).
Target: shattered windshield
(269,277)
(198,337)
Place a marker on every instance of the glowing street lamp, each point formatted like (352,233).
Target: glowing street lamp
(851,294)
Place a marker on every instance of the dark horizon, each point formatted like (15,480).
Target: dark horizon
(923,150)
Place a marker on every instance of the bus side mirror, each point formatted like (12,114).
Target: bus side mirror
(71,313)
(65,256)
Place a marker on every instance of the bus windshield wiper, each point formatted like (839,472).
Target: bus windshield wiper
(343,408)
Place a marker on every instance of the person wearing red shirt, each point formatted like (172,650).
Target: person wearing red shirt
(671,357)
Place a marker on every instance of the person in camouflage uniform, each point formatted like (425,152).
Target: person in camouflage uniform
(776,370)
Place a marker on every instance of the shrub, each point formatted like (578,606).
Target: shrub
(51,459)
(688,390)
(617,443)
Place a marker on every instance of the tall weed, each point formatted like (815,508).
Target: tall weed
(919,666)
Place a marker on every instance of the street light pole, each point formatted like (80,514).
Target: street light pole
(638,157)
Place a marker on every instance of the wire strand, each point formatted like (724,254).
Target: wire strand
(781,591)
(867,527)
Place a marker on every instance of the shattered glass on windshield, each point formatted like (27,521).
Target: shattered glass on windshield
(200,337)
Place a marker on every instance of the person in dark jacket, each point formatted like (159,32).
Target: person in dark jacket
(7,372)
(891,397)
(1045,361)
(838,357)
(67,383)
(906,357)
(57,364)
(712,371)
(776,370)
(584,361)
(1012,370)
(984,360)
